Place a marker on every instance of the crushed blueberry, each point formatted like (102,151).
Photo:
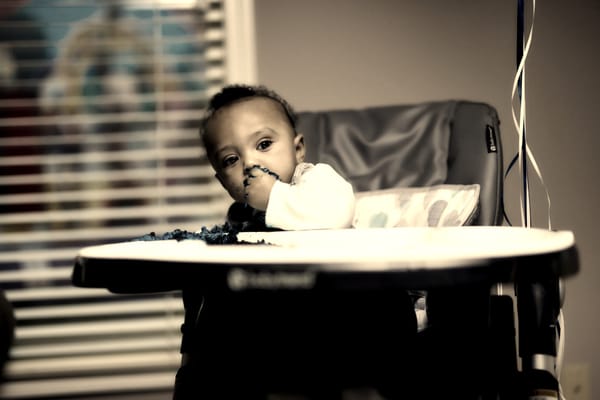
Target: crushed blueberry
(219,234)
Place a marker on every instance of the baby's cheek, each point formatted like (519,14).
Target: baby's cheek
(235,189)
(240,191)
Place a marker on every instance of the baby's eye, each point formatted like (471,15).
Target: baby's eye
(229,161)
(264,144)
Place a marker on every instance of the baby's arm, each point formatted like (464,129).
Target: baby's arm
(319,199)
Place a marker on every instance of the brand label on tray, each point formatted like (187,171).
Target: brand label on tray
(238,279)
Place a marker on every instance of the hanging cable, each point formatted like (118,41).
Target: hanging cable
(524,155)
(520,82)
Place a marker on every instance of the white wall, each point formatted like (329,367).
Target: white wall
(353,53)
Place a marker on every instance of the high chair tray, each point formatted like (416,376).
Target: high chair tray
(417,258)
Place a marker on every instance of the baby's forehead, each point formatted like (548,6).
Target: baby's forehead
(250,110)
(247,112)
(264,106)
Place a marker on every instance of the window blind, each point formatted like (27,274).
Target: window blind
(99,107)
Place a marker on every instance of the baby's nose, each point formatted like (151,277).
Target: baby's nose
(249,164)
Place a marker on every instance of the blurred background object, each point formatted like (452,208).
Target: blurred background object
(99,103)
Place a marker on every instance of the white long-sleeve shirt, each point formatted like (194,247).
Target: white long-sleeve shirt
(316,198)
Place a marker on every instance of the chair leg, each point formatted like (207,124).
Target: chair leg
(453,347)
(538,304)
(502,348)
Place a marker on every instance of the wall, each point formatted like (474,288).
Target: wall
(352,53)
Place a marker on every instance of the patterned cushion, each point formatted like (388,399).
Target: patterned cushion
(433,206)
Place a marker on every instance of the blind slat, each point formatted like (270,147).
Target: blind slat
(136,173)
(90,119)
(165,304)
(91,364)
(140,325)
(103,157)
(133,136)
(215,34)
(26,254)
(41,294)
(109,345)
(116,233)
(38,274)
(151,211)
(56,387)
(212,189)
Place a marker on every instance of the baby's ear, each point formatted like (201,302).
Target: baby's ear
(300,148)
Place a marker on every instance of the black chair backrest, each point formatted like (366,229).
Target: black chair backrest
(451,142)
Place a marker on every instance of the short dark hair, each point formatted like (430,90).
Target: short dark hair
(233,93)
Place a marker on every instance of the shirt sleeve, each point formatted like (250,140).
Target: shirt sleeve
(319,199)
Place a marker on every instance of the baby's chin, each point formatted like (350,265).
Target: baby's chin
(240,199)
(236,195)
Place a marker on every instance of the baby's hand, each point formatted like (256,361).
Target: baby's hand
(258,183)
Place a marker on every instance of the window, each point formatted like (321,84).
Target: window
(98,131)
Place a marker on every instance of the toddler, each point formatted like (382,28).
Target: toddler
(268,344)
(250,137)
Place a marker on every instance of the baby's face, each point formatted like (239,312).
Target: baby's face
(248,133)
